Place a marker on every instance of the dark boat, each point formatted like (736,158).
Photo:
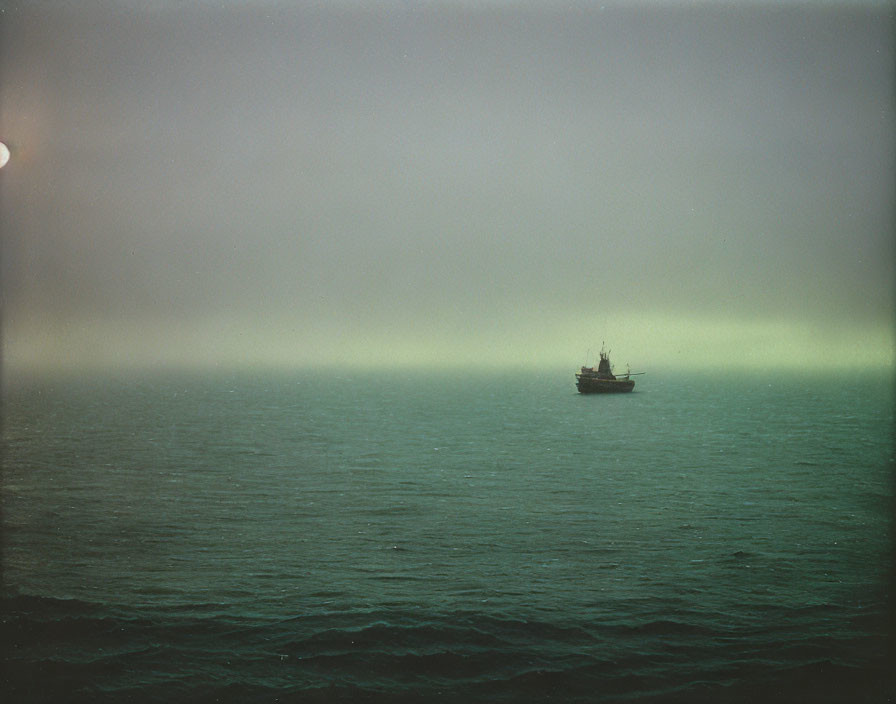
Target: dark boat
(602,380)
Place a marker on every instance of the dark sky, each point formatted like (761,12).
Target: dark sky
(494,182)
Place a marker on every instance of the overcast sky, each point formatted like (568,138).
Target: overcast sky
(455,181)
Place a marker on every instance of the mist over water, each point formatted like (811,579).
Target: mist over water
(292,298)
(461,183)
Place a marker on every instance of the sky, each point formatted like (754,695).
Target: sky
(447,183)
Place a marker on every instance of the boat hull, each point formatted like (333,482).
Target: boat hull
(603,386)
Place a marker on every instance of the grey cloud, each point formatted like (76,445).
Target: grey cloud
(447,163)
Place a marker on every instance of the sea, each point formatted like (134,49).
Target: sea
(456,535)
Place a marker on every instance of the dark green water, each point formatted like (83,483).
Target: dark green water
(480,536)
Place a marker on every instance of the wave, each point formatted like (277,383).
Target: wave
(387,637)
(81,651)
(18,602)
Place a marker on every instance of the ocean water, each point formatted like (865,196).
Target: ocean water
(352,535)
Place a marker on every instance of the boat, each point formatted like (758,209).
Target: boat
(602,380)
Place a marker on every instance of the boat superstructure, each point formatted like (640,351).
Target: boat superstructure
(602,380)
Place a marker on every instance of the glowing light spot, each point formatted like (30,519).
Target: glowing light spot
(4,154)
